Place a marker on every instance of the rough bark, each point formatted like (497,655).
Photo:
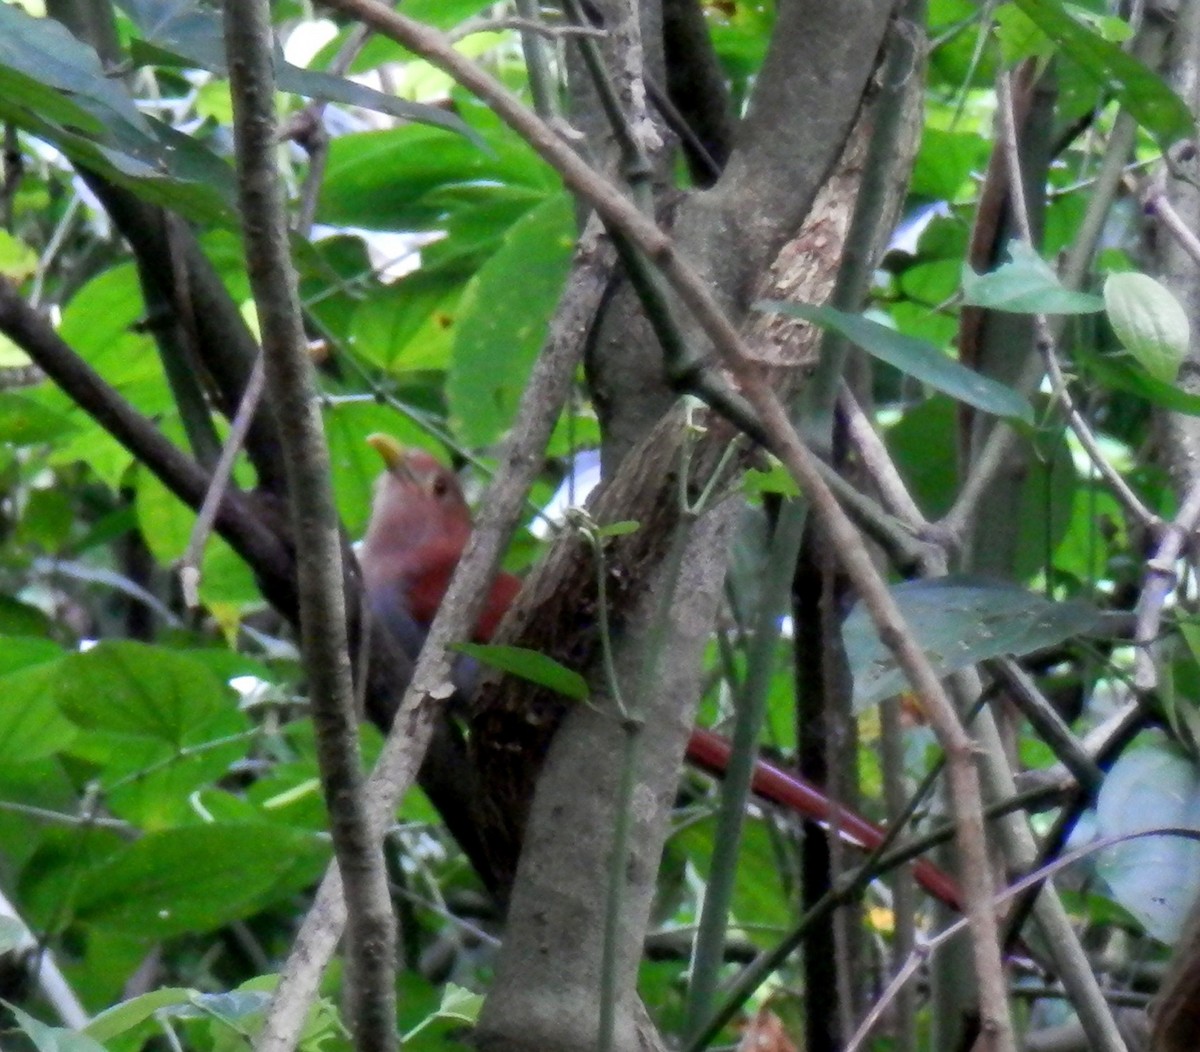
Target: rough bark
(807,100)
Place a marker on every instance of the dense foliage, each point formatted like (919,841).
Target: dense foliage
(161,819)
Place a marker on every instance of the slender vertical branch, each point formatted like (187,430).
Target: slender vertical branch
(370,951)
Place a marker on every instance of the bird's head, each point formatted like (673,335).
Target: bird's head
(418,506)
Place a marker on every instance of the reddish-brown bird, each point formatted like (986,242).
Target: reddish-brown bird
(420,524)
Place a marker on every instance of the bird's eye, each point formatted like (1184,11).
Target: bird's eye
(439,487)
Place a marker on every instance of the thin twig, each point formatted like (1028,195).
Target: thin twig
(914,962)
(1159,581)
(1045,338)
(189,566)
(893,493)
(237,520)
(525,25)
(1158,203)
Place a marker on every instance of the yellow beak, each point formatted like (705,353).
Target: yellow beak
(394,455)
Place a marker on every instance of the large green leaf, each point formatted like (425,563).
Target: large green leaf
(915,357)
(1026,284)
(1150,323)
(1155,877)
(410,324)
(31,726)
(398,179)
(195,879)
(1141,91)
(959,622)
(142,691)
(24,421)
(503,318)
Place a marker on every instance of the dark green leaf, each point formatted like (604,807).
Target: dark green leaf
(959,622)
(531,665)
(399,179)
(503,317)
(43,50)
(21,619)
(54,87)
(24,421)
(1026,284)
(1141,91)
(31,725)
(1119,375)
(143,691)
(915,357)
(192,879)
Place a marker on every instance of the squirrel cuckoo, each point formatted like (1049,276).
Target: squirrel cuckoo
(419,526)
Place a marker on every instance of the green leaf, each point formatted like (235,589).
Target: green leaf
(959,621)
(1119,375)
(194,879)
(25,422)
(775,479)
(142,691)
(619,529)
(1026,284)
(945,161)
(410,324)
(1153,877)
(503,317)
(458,1005)
(915,357)
(193,32)
(1141,92)
(1019,36)
(531,665)
(17,260)
(1149,321)
(54,87)
(21,619)
(31,726)
(52,1038)
(44,50)
(398,179)
(122,1017)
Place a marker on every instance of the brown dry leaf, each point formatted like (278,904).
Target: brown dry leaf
(765,1033)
